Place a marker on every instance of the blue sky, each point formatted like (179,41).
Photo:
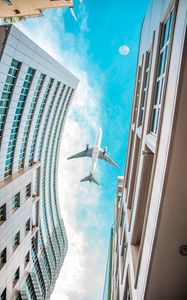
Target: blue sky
(109,25)
(89,48)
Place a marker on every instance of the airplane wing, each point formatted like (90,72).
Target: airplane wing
(85,153)
(104,156)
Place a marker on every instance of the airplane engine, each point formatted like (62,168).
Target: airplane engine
(87,147)
(105,149)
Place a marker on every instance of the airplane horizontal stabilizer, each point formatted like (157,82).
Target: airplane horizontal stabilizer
(90,178)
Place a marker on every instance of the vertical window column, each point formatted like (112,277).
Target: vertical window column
(16,121)
(46,119)
(145,87)
(142,204)
(30,288)
(161,72)
(137,95)
(29,120)
(36,129)
(2,213)
(131,145)
(44,170)
(7,92)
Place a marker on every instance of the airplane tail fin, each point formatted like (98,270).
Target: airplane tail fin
(90,178)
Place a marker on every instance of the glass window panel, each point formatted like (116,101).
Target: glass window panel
(15,63)
(10,79)
(5,95)
(165,59)
(16,276)
(16,201)
(159,99)
(165,32)
(27,226)
(163,62)
(28,190)
(170,25)
(3,295)
(3,258)
(153,120)
(157,120)
(30,70)
(157,94)
(16,240)
(27,258)
(2,110)
(3,213)
(146,78)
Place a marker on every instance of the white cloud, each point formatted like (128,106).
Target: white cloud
(82,269)
(83,15)
(82,275)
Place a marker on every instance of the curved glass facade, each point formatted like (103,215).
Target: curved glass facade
(35,99)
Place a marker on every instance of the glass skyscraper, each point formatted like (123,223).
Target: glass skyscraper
(35,96)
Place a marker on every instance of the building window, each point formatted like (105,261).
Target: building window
(127,292)
(7,92)
(36,182)
(37,124)
(133,175)
(137,95)
(27,258)
(16,241)
(3,295)
(27,226)
(18,296)
(161,72)
(145,87)
(28,191)
(16,121)
(39,275)
(29,120)
(141,209)
(122,222)
(117,267)
(2,213)
(2,258)
(30,287)
(16,277)
(123,253)
(16,201)
(46,119)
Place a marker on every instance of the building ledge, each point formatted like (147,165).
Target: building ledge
(139,132)
(8,180)
(150,141)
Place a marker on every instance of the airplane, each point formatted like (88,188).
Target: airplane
(94,152)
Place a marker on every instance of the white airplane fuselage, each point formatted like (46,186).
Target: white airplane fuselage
(95,153)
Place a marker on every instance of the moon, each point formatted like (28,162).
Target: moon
(124,50)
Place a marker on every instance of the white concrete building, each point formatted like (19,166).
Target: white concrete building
(150,231)
(29,8)
(35,95)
